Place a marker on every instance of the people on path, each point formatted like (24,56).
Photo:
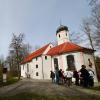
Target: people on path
(52,76)
(76,76)
(84,76)
(68,76)
(91,78)
(57,75)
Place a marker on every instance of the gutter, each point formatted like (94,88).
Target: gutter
(42,67)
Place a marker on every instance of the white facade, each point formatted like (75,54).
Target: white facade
(40,67)
(62,37)
(45,64)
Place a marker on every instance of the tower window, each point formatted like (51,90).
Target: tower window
(59,35)
(45,57)
(37,74)
(36,66)
(36,58)
(66,34)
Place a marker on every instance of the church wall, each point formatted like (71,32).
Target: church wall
(62,61)
(76,58)
(90,56)
(46,66)
(36,62)
(24,70)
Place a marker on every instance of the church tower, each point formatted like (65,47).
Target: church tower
(62,34)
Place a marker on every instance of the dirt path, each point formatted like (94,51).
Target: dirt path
(45,88)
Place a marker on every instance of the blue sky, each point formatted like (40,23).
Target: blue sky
(39,19)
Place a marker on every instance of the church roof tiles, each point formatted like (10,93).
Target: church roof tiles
(35,54)
(60,49)
(65,48)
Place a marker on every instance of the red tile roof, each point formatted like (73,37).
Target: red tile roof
(65,48)
(60,49)
(35,54)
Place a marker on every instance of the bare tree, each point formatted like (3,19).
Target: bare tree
(16,47)
(18,51)
(96,24)
(86,27)
(91,25)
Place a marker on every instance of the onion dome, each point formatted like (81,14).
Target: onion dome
(61,28)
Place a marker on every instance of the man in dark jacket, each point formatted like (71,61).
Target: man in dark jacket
(85,76)
(52,75)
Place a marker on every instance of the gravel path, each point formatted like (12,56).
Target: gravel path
(44,87)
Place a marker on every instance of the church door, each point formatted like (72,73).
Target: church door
(55,62)
(70,62)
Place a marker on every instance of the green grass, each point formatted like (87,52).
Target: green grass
(9,81)
(96,88)
(27,96)
(31,96)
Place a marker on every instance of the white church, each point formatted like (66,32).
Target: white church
(66,55)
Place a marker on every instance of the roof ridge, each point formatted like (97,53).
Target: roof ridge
(40,48)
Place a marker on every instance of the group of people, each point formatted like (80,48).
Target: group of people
(83,77)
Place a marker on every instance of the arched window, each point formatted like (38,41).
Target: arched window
(55,62)
(66,34)
(45,57)
(36,66)
(70,62)
(37,74)
(59,35)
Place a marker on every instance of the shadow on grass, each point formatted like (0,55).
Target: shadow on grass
(9,81)
(31,96)
(95,88)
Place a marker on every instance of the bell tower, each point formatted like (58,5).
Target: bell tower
(62,34)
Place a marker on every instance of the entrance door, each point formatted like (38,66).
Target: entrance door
(70,62)
(55,62)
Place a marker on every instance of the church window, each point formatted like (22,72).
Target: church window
(36,58)
(37,74)
(70,62)
(59,35)
(36,66)
(45,57)
(55,63)
(66,34)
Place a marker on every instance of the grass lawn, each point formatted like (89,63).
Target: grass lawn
(96,88)
(31,96)
(9,81)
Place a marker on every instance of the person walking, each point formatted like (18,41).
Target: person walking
(68,76)
(60,76)
(91,78)
(76,76)
(84,76)
(57,75)
(52,76)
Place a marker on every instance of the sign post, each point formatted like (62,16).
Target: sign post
(4,74)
